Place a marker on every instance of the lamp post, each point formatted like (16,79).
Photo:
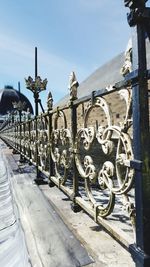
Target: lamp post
(36,86)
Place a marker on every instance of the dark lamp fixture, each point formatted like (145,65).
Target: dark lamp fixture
(36,86)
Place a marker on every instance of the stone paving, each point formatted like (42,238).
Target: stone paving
(13,250)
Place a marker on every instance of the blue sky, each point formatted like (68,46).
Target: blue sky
(71,35)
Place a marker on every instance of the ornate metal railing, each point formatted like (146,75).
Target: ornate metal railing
(96,148)
(85,148)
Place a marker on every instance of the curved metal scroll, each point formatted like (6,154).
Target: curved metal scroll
(113,176)
(43,145)
(61,147)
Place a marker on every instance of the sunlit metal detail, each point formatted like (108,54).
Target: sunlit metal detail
(126,94)
(22,136)
(27,140)
(115,174)
(106,175)
(33,141)
(37,85)
(127,65)
(61,148)
(73,85)
(43,145)
(49,101)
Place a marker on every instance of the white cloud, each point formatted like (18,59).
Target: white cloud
(11,45)
(17,62)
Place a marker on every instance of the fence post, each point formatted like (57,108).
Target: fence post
(73,85)
(50,128)
(20,128)
(75,207)
(39,179)
(141,137)
(51,163)
(29,125)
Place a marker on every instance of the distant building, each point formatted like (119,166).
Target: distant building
(8,95)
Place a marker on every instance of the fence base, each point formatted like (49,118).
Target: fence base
(15,151)
(51,184)
(140,258)
(40,181)
(75,207)
(22,159)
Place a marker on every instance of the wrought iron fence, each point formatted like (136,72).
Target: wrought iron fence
(96,148)
(85,148)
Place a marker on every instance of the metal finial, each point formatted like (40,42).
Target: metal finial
(49,101)
(73,85)
(127,66)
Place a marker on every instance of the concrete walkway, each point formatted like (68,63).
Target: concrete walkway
(13,250)
(55,235)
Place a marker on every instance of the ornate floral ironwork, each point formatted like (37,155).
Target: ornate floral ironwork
(36,86)
(43,145)
(101,151)
(61,148)
(114,175)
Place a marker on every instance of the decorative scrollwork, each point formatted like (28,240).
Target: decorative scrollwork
(61,148)
(114,176)
(43,155)
(103,137)
(33,141)
(105,175)
(27,142)
(42,144)
(101,150)
(90,170)
(87,135)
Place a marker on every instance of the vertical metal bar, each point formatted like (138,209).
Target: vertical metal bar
(51,163)
(36,98)
(29,122)
(36,64)
(75,207)
(141,148)
(19,87)
(15,136)
(36,144)
(36,95)
(20,122)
